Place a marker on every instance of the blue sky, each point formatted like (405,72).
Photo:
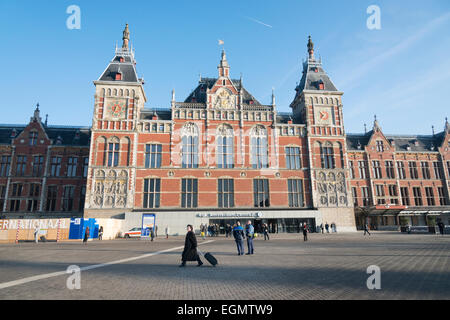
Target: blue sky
(401,73)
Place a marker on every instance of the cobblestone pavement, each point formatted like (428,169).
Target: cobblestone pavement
(328,266)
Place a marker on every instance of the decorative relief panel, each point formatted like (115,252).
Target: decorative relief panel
(331,187)
(110,189)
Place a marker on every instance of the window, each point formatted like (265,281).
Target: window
(14,205)
(113,154)
(413,170)
(376,169)
(17,189)
(2,197)
(34,190)
(21,165)
(72,166)
(425,170)
(224,142)
(32,205)
(405,196)
(327,157)
(365,196)
(55,166)
(52,193)
(401,170)
(437,170)
(225,192)
(293,160)
(390,172)
(38,165)
(261,193)
(5,165)
(417,196)
(152,189)
(189,193)
(380,194)
(67,201)
(351,169)
(393,194)
(441,194)
(355,197)
(85,166)
(362,166)
(295,193)
(380,146)
(82,198)
(33,138)
(153,155)
(430,196)
(259,151)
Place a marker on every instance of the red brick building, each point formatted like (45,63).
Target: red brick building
(43,169)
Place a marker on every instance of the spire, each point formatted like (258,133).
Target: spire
(447,126)
(376,126)
(273,96)
(310,48)
(224,68)
(173,95)
(126,37)
(36,116)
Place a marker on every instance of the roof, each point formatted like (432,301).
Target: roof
(313,75)
(127,67)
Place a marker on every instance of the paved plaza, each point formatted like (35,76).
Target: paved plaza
(328,266)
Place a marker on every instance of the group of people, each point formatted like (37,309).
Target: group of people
(327,227)
(211,230)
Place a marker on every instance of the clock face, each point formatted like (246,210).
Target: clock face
(116,109)
(323,115)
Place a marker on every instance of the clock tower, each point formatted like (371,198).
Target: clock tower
(318,105)
(119,99)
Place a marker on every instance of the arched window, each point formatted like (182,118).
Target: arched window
(225,147)
(189,151)
(327,156)
(259,148)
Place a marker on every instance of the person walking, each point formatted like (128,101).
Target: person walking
(441,227)
(36,233)
(249,233)
(321,227)
(327,227)
(86,235)
(305,232)
(156,231)
(238,234)
(366,229)
(190,248)
(100,233)
(167,232)
(152,233)
(266,232)
(204,231)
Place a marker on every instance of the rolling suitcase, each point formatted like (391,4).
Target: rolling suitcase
(208,256)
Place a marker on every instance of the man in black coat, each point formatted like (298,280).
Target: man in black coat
(190,248)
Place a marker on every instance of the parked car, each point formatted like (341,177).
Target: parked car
(133,233)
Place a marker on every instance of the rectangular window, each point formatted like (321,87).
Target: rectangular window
(380,146)
(405,196)
(393,194)
(32,205)
(152,191)
(376,169)
(441,194)
(2,197)
(425,170)
(14,205)
(55,166)
(67,201)
(85,166)
(295,193)
(38,165)
(5,165)
(72,166)
(351,169)
(261,193)
(33,138)
(225,152)
(362,165)
(414,174)
(437,170)
(430,196)
(17,189)
(189,193)
(225,192)
(365,196)
(260,156)
(52,193)
(327,157)
(401,170)
(113,154)
(34,190)
(153,155)
(390,172)
(21,165)
(379,188)
(190,152)
(293,160)
(355,197)
(448,168)
(417,196)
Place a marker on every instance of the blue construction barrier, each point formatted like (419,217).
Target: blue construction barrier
(78,228)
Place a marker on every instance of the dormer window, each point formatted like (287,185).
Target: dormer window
(59,140)
(321,85)
(13,133)
(224,82)
(380,146)
(118,76)
(251,101)
(33,138)
(121,59)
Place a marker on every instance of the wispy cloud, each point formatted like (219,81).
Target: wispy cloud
(260,22)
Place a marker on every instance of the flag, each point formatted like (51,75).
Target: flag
(221,42)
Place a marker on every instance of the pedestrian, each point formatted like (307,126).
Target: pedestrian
(441,227)
(266,232)
(100,233)
(321,227)
(238,234)
(226,231)
(167,232)
(326,227)
(190,248)
(305,232)
(203,229)
(152,233)
(249,233)
(366,229)
(36,234)
(86,235)
(156,231)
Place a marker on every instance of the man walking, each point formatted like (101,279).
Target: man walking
(238,234)
(36,234)
(167,232)
(266,232)
(305,232)
(321,227)
(249,233)
(366,229)
(190,248)
(327,227)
